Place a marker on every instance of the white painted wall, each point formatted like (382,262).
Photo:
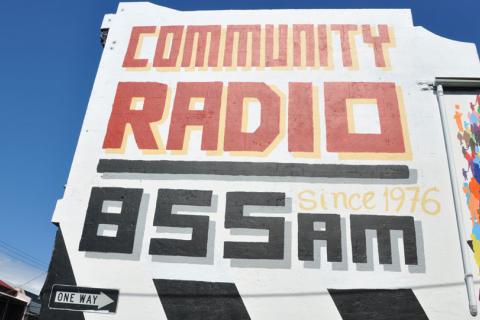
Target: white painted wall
(417,55)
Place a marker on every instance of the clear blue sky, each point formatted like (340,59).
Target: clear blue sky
(49,53)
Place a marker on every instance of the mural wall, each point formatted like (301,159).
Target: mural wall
(271,164)
(465,125)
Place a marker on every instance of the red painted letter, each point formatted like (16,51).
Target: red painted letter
(300,117)
(202,32)
(154,95)
(377,42)
(170,61)
(309,45)
(390,139)
(345,30)
(183,116)
(323,45)
(130,60)
(269,128)
(281,61)
(243,31)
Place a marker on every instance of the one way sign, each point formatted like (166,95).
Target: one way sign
(83,299)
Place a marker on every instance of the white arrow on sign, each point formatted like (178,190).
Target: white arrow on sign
(87,299)
(103,300)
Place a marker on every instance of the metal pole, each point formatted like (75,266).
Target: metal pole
(458,208)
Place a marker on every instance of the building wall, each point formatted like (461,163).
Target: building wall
(272,213)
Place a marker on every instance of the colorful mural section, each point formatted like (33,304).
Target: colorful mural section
(468,135)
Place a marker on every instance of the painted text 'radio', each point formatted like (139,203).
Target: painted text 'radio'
(140,107)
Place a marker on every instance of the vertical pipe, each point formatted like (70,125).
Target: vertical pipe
(458,208)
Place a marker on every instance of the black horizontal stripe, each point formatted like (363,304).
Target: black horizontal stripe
(260,169)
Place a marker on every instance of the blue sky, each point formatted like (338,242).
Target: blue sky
(49,53)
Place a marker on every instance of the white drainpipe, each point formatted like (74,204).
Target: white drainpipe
(457,202)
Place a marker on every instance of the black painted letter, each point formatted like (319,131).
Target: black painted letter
(197,246)
(234,218)
(382,225)
(125,220)
(307,234)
